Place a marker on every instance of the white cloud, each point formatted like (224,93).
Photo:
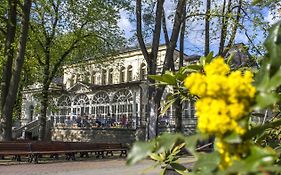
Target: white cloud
(125,24)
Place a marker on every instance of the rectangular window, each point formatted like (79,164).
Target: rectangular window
(87,110)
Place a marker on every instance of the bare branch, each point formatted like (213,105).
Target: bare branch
(139,31)
(157,30)
(164,26)
(64,55)
(252,43)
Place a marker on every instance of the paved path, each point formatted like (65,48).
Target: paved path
(90,167)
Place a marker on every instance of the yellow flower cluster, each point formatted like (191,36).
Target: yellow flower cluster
(230,152)
(226,157)
(225,97)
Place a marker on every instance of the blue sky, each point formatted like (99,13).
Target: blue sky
(194,41)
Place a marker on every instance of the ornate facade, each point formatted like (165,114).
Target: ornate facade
(108,94)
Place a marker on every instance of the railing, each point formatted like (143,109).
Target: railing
(32,127)
(18,131)
(91,122)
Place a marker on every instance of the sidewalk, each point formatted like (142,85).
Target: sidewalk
(90,167)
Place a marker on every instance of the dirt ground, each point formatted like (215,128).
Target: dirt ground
(113,166)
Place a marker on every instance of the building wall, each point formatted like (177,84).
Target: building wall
(96,135)
(84,71)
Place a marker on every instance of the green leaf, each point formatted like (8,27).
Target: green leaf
(156,77)
(167,141)
(194,68)
(162,172)
(191,143)
(230,58)
(139,151)
(167,105)
(168,78)
(264,99)
(202,60)
(276,169)
(179,168)
(207,163)
(209,57)
(273,46)
(262,77)
(181,74)
(258,158)
(233,138)
(275,81)
(260,129)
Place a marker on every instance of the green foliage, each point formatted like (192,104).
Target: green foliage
(206,163)
(258,148)
(268,78)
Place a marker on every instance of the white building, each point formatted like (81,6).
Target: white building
(108,94)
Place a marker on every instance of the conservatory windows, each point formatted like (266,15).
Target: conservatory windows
(64,106)
(122,107)
(100,105)
(81,105)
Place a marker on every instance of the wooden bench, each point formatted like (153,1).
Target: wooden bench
(54,149)
(109,148)
(84,148)
(36,149)
(15,149)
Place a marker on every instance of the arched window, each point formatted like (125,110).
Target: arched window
(103,77)
(93,78)
(110,76)
(64,101)
(81,105)
(100,105)
(122,74)
(142,71)
(122,107)
(130,73)
(64,106)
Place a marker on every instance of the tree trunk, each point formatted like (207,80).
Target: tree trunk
(43,113)
(15,79)
(225,19)
(178,105)
(45,96)
(7,65)
(151,60)
(207,27)
(234,29)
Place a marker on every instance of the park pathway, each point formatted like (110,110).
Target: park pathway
(85,167)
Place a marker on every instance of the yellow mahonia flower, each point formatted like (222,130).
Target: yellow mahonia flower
(217,66)
(225,97)
(213,117)
(195,82)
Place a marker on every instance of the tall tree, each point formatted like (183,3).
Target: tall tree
(154,94)
(13,63)
(60,28)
